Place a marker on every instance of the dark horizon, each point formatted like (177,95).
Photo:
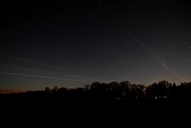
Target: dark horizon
(119,93)
(9,91)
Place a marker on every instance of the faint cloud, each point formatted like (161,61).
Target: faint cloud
(84,67)
(44,77)
(30,80)
(28,61)
(83,78)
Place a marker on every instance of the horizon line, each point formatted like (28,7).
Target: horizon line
(9,91)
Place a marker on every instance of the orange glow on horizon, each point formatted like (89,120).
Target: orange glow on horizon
(6,91)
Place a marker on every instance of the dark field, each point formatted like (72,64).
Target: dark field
(134,107)
(119,113)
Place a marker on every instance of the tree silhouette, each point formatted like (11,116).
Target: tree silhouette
(137,91)
(99,92)
(87,87)
(172,91)
(125,87)
(184,90)
(62,93)
(159,89)
(54,89)
(113,89)
(95,86)
(163,88)
(47,90)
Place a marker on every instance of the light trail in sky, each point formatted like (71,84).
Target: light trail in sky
(159,60)
(32,62)
(44,77)
(145,47)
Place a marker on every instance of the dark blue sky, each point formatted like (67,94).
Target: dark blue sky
(73,43)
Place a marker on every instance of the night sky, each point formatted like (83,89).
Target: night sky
(72,43)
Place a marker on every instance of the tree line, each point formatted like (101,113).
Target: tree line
(112,91)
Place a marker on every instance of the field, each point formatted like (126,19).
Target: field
(137,113)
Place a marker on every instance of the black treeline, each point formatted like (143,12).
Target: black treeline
(102,92)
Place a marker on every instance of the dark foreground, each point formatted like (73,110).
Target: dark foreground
(142,113)
(136,112)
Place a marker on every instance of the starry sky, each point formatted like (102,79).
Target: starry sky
(67,43)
